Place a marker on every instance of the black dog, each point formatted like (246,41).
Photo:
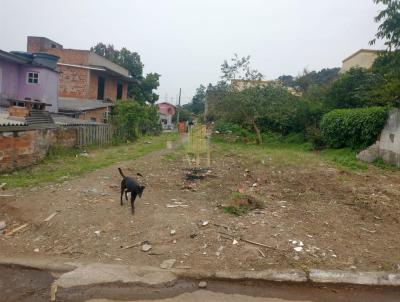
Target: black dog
(128,184)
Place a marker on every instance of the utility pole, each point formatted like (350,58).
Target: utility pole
(179,105)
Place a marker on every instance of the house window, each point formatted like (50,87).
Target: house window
(93,119)
(105,117)
(32,77)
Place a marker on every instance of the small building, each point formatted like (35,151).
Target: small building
(28,79)
(88,110)
(84,77)
(363,58)
(241,85)
(166,111)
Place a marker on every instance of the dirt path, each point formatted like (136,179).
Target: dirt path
(313,218)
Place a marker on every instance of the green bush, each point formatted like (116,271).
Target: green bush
(354,128)
(231,128)
(132,119)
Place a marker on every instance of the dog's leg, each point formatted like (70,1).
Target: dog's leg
(122,193)
(133,197)
(126,195)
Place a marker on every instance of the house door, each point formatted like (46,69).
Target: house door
(100,88)
(119,91)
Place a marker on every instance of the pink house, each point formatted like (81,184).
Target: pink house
(166,111)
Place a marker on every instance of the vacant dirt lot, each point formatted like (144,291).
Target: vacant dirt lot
(313,215)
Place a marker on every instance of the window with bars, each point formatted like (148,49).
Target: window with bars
(32,77)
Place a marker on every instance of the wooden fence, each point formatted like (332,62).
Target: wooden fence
(87,135)
(94,135)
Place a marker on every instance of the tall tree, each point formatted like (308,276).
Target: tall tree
(239,69)
(389,28)
(197,103)
(143,90)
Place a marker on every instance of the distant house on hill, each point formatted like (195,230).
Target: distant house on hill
(364,58)
(244,84)
(166,111)
(84,77)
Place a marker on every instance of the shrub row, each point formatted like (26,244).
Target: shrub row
(355,128)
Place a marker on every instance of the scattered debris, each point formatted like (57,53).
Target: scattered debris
(204,223)
(172,232)
(262,253)
(84,154)
(131,246)
(221,225)
(146,247)
(97,233)
(50,217)
(36,250)
(167,264)
(298,248)
(249,241)
(193,234)
(219,251)
(369,231)
(2,225)
(202,284)
(3,186)
(234,242)
(16,229)
(177,205)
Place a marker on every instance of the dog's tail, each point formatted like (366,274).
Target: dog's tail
(120,172)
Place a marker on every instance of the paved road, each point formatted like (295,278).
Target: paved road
(21,284)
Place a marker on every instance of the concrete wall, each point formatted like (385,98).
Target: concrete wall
(388,145)
(389,142)
(97,60)
(363,58)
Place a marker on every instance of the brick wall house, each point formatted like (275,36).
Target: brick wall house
(84,75)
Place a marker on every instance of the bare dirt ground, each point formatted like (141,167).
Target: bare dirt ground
(313,217)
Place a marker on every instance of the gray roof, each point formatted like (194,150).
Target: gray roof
(6,120)
(66,120)
(81,104)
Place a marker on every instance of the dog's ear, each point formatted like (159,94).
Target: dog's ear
(142,188)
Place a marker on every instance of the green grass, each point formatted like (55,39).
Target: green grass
(345,158)
(380,163)
(63,164)
(237,210)
(284,154)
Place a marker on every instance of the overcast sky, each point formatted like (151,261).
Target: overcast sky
(187,40)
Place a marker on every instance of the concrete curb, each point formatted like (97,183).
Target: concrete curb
(114,273)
